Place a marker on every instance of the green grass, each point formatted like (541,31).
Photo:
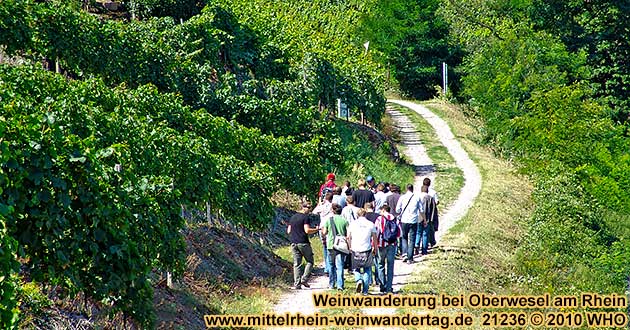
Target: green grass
(361,159)
(449,178)
(478,254)
(284,252)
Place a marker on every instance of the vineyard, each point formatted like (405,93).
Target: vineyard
(146,118)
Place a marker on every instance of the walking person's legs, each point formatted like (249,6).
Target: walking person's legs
(339,261)
(378,280)
(325,253)
(307,252)
(331,269)
(424,232)
(382,258)
(417,240)
(362,276)
(297,265)
(432,235)
(367,278)
(404,238)
(413,228)
(390,254)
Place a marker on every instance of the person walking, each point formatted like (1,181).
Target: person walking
(372,216)
(362,241)
(380,198)
(327,186)
(298,230)
(369,212)
(362,195)
(411,210)
(338,197)
(350,211)
(431,212)
(346,189)
(424,227)
(336,258)
(371,184)
(388,231)
(324,209)
(392,201)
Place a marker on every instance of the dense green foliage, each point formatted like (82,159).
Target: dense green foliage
(210,60)
(599,29)
(180,9)
(540,94)
(324,49)
(413,42)
(423,44)
(84,225)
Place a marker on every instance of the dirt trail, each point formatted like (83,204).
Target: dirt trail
(472,177)
(301,301)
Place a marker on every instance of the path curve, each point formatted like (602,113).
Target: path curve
(301,301)
(472,177)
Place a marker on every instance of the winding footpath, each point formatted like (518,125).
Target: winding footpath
(301,301)
(472,177)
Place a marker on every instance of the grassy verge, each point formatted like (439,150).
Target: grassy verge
(449,178)
(365,156)
(478,254)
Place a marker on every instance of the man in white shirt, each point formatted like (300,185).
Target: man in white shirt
(350,211)
(362,240)
(411,211)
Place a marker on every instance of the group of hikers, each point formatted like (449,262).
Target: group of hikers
(364,230)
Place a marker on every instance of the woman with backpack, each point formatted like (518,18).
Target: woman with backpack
(327,186)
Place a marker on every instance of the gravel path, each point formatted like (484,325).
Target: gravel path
(472,177)
(301,301)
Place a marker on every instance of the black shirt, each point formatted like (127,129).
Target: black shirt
(362,196)
(297,223)
(372,216)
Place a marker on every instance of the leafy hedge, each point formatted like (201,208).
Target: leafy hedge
(209,57)
(536,96)
(160,8)
(195,59)
(85,226)
(8,273)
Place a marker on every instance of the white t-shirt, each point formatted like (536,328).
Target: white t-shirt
(360,233)
(350,213)
(379,199)
(325,212)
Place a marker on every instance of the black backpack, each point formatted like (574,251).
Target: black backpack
(324,191)
(390,230)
